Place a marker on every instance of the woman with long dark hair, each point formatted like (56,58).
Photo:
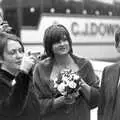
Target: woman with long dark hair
(59,56)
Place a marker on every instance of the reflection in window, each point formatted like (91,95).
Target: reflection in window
(105,1)
(31,16)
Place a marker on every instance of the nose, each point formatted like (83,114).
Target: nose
(61,42)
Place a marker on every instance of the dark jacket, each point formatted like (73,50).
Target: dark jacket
(80,110)
(109,105)
(18,101)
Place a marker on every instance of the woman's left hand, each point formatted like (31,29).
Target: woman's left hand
(85,88)
(69,99)
(81,83)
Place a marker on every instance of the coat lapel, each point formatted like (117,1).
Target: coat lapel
(81,62)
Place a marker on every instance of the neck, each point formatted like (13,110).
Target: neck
(63,59)
(11,71)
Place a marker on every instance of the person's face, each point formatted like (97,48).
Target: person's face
(12,55)
(118,47)
(62,47)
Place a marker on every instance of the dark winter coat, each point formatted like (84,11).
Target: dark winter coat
(18,101)
(80,110)
(109,105)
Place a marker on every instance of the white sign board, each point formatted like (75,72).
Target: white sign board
(82,29)
(92,37)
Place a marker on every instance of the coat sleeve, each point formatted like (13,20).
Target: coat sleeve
(93,81)
(41,92)
(14,103)
(101,104)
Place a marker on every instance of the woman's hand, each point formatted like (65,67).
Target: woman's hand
(71,98)
(28,62)
(85,89)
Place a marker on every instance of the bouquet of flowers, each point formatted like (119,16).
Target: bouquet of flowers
(67,82)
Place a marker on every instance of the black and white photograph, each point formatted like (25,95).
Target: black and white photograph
(59,59)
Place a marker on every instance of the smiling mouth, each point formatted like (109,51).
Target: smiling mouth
(62,48)
(18,63)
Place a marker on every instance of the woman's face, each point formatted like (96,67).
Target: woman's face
(62,47)
(12,55)
(118,47)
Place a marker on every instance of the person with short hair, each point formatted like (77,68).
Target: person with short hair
(59,56)
(17,97)
(109,103)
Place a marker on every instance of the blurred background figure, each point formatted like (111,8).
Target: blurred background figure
(1,15)
(4,27)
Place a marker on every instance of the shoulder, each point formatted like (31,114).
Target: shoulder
(81,60)
(44,63)
(111,69)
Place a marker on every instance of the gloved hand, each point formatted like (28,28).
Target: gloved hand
(27,63)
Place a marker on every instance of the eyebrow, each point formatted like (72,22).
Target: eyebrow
(14,49)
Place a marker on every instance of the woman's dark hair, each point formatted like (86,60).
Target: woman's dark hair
(117,38)
(53,34)
(4,37)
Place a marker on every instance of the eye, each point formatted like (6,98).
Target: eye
(20,50)
(64,40)
(12,52)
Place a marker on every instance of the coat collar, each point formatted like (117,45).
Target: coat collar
(6,77)
(81,62)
